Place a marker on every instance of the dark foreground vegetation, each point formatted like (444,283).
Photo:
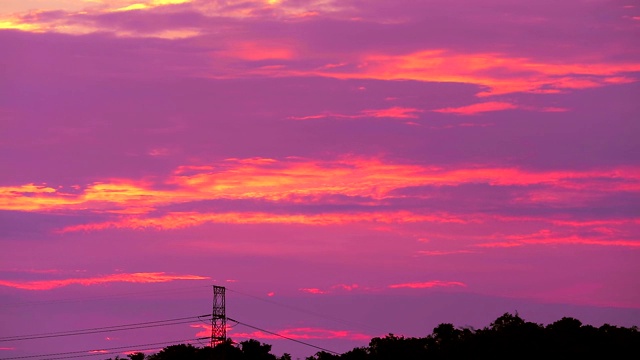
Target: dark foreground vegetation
(508,337)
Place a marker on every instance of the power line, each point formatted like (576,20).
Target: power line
(283,336)
(148,324)
(331,318)
(88,352)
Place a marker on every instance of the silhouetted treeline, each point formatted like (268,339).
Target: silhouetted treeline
(246,350)
(508,337)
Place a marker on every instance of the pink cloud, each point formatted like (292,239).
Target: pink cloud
(496,72)
(590,223)
(600,236)
(314,291)
(570,240)
(443,252)
(332,289)
(190,219)
(155,277)
(478,108)
(554,109)
(412,285)
(282,180)
(516,74)
(121,131)
(303,333)
(427,284)
(34,271)
(393,112)
(299,333)
(256,51)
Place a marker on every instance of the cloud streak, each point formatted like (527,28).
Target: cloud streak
(184,220)
(427,284)
(140,278)
(280,180)
(298,333)
(393,112)
(239,55)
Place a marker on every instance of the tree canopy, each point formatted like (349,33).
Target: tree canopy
(507,337)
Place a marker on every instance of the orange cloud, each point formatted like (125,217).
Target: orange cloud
(591,223)
(478,108)
(374,178)
(190,219)
(141,4)
(512,74)
(605,236)
(291,180)
(153,277)
(26,19)
(562,240)
(496,73)
(17,24)
(427,284)
(22,17)
(393,112)
(30,197)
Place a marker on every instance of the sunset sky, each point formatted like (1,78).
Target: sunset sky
(345,168)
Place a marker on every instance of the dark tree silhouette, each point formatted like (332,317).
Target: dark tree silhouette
(136,356)
(182,351)
(254,350)
(508,337)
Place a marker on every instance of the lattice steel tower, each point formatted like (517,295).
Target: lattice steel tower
(218,317)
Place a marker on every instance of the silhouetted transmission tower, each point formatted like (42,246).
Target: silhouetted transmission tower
(218,317)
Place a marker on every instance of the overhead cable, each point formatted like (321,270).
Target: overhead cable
(148,324)
(283,336)
(102,351)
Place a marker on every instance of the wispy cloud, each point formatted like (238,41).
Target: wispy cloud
(500,74)
(443,252)
(298,333)
(478,108)
(409,285)
(332,289)
(545,240)
(314,291)
(241,55)
(281,180)
(189,219)
(396,112)
(303,333)
(152,277)
(427,284)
